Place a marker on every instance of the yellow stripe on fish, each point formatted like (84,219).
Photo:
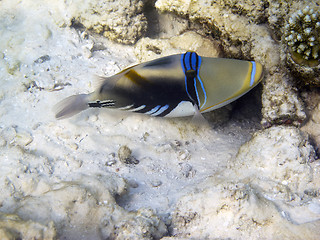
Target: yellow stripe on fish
(172,86)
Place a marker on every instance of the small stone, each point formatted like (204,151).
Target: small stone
(184,155)
(111,162)
(145,136)
(133,184)
(73,146)
(124,155)
(156,183)
(187,170)
(16,136)
(23,138)
(8,134)
(43,59)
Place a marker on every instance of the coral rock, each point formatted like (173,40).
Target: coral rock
(123,23)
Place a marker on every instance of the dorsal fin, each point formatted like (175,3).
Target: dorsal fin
(106,82)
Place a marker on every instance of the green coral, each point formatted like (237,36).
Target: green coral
(302,35)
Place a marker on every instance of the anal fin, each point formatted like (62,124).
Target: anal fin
(198,118)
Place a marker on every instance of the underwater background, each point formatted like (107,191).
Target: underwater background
(251,171)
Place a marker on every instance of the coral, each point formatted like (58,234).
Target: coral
(301,44)
(302,35)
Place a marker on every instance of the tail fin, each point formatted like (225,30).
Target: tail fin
(71,106)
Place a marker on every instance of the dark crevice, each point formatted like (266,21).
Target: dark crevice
(152,15)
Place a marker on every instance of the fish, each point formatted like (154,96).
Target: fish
(178,85)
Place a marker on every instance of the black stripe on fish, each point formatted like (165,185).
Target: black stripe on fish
(100,104)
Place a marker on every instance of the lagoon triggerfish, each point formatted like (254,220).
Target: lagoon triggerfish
(173,86)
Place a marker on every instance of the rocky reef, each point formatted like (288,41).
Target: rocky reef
(275,170)
(123,23)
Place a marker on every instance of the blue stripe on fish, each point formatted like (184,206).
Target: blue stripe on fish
(194,61)
(161,110)
(195,66)
(183,65)
(253,73)
(197,93)
(187,60)
(201,83)
(153,110)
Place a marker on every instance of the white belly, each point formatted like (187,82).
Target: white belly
(183,109)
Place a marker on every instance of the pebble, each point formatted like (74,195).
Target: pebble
(156,183)
(8,134)
(16,136)
(133,184)
(23,138)
(184,155)
(124,155)
(111,162)
(187,170)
